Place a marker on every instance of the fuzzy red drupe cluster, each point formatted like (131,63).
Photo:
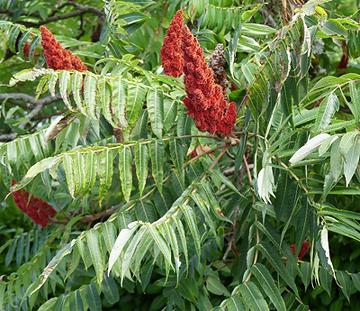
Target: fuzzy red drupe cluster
(37,209)
(304,248)
(56,56)
(171,51)
(205,101)
(26,49)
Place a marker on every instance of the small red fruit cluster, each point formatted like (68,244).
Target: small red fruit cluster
(37,209)
(56,56)
(171,51)
(205,101)
(304,248)
(26,49)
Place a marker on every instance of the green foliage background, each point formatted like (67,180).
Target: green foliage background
(142,223)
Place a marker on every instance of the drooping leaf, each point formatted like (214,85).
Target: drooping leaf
(64,81)
(355,98)
(252,296)
(325,250)
(267,283)
(154,102)
(118,102)
(90,83)
(141,165)
(309,147)
(161,244)
(105,170)
(352,160)
(122,239)
(345,282)
(125,171)
(96,254)
(275,260)
(157,162)
(327,110)
(135,100)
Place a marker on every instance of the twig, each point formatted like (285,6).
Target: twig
(206,152)
(119,135)
(268,18)
(229,171)
(233,233)
(256,251)
(82,30)
(247,169)
(293,175)
(88,218)
(94,217)
(213,164)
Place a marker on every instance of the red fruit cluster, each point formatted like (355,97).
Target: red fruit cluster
(26,49)
(56,56)
(37,209)
(205,100)
(171,53)
(304,248)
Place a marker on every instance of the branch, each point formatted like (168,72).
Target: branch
(86,8)
(5,11)
(268,18)
(17,96)
(40,104)
(104,214)
(31,101)
(7,137)
(88,218)
(52,19)
(81,9)
(232,241)
(247,166)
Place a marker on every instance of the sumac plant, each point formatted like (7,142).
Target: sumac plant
(179,155)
